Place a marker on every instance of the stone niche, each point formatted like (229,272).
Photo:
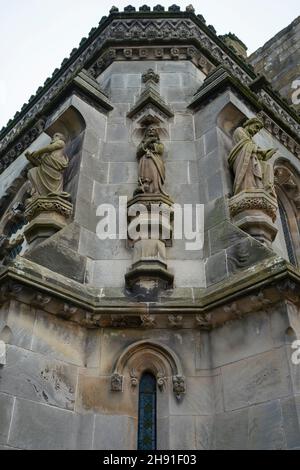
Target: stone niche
(53,177)
(254,205)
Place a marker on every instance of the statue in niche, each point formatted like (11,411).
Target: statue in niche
(49,163)
(249,162)
(152,173)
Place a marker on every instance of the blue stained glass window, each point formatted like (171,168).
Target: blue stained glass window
(287,234)
(147,413)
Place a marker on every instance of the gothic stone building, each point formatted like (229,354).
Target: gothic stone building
(137,343)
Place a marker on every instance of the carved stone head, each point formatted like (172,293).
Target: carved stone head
(59,136)
(253,126)
(152,132)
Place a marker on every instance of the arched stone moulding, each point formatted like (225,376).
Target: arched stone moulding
(287,183)
(153,357)
(5,337)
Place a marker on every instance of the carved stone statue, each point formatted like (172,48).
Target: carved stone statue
(49,165)
(152,172)
(249,162)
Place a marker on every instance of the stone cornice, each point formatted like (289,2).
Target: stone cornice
(254,289)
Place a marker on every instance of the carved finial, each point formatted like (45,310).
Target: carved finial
(150,75)
(129,9)
(145,8)
(114,10)
(159,8)
(174,8)
(190,9)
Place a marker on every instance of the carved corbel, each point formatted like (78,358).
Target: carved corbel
(176,321)
(134,378)
(148,321)
(68,311)
(204,321)
(117,383)
(179,387)
(41,300)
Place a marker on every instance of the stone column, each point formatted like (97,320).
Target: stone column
(150,219)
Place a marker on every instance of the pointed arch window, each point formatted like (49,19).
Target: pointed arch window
(287,234)
(147,425)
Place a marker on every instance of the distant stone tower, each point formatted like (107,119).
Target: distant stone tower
(279,61)
(174,324)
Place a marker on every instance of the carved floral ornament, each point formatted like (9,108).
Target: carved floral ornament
(149,356)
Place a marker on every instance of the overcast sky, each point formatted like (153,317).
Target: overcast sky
(36,35)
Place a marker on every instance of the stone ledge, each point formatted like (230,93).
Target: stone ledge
(257,288)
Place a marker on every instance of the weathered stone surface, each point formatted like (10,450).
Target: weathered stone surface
(115,433)
(55,255)
(265,427)
(246,253)
(216,212)
(282,67)
(183,128)
(231,430)
(41,427)
(253,332)
(188,273)
(56,339)
(200,399)
(216,268)
(95,169)
(163,431)
(255,380)
(6,409)
(20,320)
(92,247)
(38,378)
(204,432)
(183,432)
(223,235)
(291,421)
